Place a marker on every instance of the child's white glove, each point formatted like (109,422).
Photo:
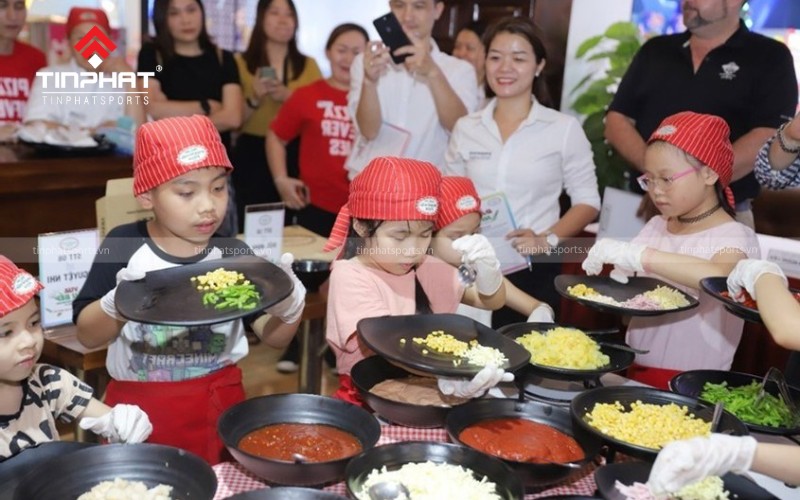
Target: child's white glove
(484,380)
(477,251)
(290,309)
(745,275)
(626,258)
(542,314)
(123,424)
(107,302)
(684,462)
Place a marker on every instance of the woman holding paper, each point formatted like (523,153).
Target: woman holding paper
(530,153)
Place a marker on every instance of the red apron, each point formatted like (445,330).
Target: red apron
(348,392)
(184,414)
(657,377)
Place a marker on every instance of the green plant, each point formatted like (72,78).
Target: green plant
(617,46)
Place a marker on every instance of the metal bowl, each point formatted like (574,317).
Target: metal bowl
(311,272)
(584,403)
(256,413)
(393,456)
(532,474)
(190,476)
(373,370)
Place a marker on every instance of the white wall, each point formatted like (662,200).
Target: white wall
(319,17)
(589,18)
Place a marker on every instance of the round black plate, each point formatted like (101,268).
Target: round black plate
(584,403)
(169,297)
(287,493)
(14,469)
(393,456)
(618,291)
(691,384)
(190,476)
(715,287)
(104,147)
(383,335)
(619,359)
(631,472)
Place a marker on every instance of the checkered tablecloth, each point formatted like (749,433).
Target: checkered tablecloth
(232,478)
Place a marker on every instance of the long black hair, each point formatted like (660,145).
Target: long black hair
(525,28)
(164,41)
(256,55)
(355,244)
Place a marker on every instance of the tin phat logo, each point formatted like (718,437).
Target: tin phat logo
(95,46)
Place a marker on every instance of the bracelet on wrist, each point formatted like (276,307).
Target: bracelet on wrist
(251,103)
(205,106)
(789,146)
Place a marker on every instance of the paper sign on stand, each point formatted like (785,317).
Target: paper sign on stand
(64,262)
(496,222)
(263,229)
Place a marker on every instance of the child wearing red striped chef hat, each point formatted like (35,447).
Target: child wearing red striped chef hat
(688,166)
(460,216)
(385,268)
(34,395)
(183,377)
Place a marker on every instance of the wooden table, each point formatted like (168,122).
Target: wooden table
(41,194)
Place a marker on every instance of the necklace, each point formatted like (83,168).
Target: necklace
(697,218)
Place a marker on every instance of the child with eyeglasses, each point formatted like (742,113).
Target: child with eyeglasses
(688,166)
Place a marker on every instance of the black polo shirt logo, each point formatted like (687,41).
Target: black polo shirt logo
(729,71)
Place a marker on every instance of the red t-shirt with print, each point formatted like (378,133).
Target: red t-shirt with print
(17,72)
(318,114)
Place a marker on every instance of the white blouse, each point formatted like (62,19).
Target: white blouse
(548,153)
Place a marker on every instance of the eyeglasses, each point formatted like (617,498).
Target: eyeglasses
(648,183)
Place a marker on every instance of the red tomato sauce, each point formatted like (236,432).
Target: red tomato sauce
(316,442)
(521,441)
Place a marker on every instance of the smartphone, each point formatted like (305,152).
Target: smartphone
(392,35)
(267,72)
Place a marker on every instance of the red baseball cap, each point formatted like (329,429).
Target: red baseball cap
(171,147)
(706,137)
(78,15)
(389,188)
(17,287)
(457,198)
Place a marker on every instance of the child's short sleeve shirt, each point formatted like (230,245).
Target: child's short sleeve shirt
(160,353)
(357,291)
(49,393)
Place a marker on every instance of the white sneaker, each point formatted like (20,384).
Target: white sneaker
(287,366)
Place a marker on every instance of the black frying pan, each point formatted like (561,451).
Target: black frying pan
(190,476)
(691,384)
(619,359)
(373,370)
(13,469)
(584,403)
(536,475)
(716,286)
(637,472)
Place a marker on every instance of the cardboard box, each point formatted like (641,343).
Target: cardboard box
(118,206)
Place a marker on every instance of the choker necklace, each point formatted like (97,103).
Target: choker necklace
(697,218)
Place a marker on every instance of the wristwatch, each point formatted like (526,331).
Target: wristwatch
(552,239)
(205,106)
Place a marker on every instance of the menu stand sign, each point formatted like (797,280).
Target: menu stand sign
(64,262)
(497,221)
(263,229)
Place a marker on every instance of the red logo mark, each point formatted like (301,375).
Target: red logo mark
(95,46)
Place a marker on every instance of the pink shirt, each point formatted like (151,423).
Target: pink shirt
(357,292)
(705,337)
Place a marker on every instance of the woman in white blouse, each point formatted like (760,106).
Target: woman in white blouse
(529,152)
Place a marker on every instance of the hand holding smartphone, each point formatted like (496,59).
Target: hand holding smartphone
(267,72)
(392,35)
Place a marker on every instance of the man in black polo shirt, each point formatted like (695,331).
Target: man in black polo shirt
(717,67)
